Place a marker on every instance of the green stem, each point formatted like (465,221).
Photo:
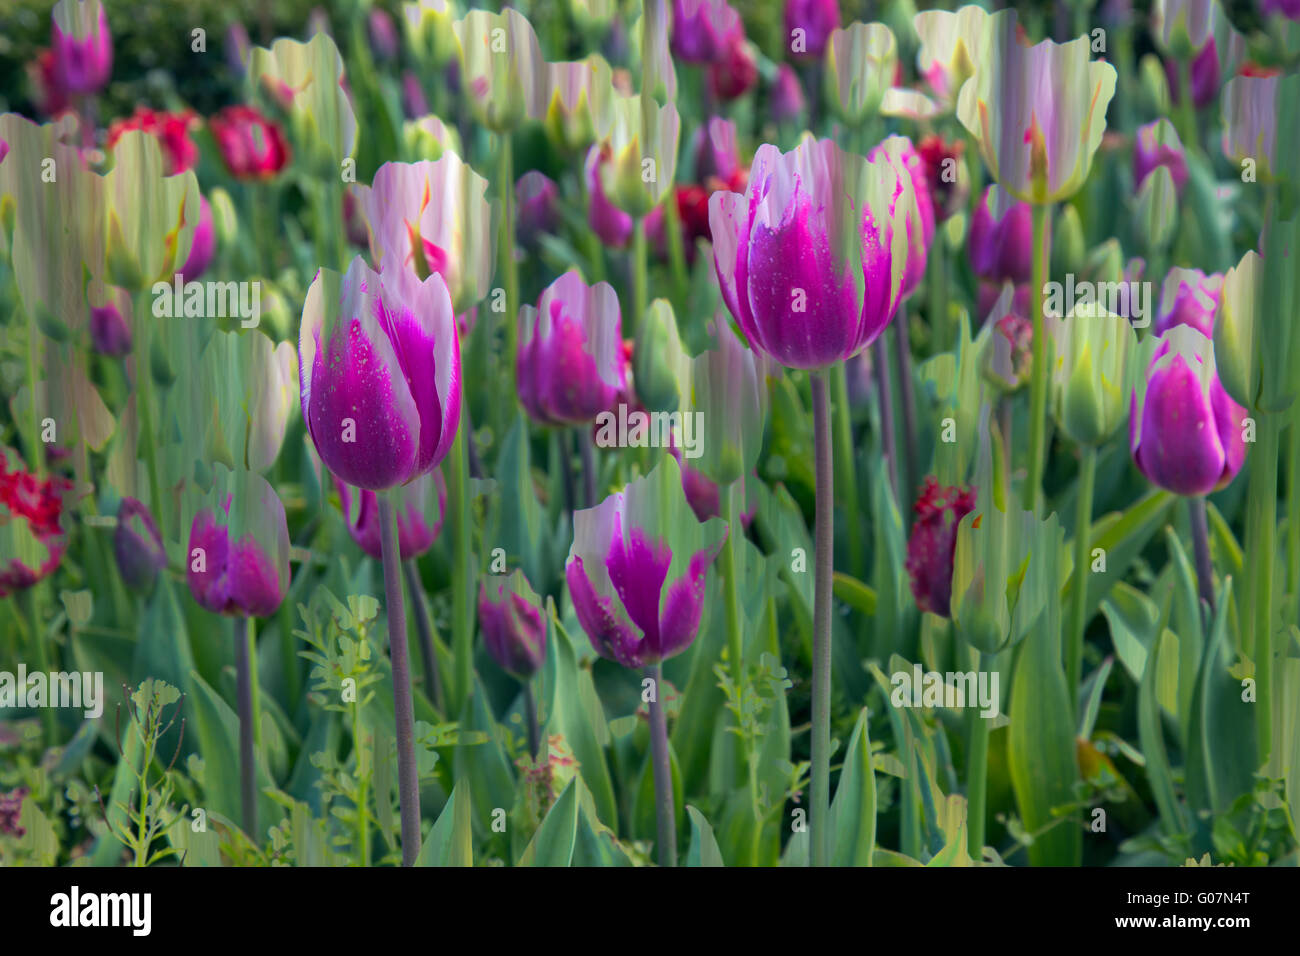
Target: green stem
(665,812)
(363,780)
(1262,502)
(978,772)
(35,453)
(730,566)
(1293,498)
(1079,593)
(1186,107)
(640,271)
(943,335)
(144,401)
(846,478)
(461,529)
(31,599)
(676,249)
(506,251)
(1038,386)
(244,699)
(820,853)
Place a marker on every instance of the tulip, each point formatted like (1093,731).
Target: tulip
(502,68)
(430,137)
(1094,366)
(692,215)
(715,151)
(611,224)
(1037,112)
(306,81)
(703,29)
(635,137)
(1189,297)
(952,45)
(238,551)
(1157,144)
(1290,9)
(172,130)
(383,34)
(919,219)
(1206,73)
(734,73)
(137,545)
(1006,342)
(932,543)
(379,358)
(237,47)
(661,366)
(1185,433)
(110,333)
(569,364)
(429,31)
(1000,244)
(579,94)
(82,46)
(536,196)
(704,496)
(1256,127)
(787,100)
(814,19)
(48,93)
(414,105)
(511,620)
(860,64)
(251,146)
(432,218)
(421,508)
(32,535)
(812,272)
(945,174)
(204,246)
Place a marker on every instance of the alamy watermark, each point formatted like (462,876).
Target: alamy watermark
(195,300)
(1132,300)
(638,429)
(954,690)
(54,689)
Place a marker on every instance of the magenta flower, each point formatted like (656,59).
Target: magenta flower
(511,621)
(82,46)
(1185,432)
(702,29)
(811,258)
(1286,8)
(110,333)
(32,533)
(816,18)
(1189,297)
(612,224)
(383,34)
(570,363)
(251,145)
(787,100)
(1001,241)
(137,545)
(537,199)
(636,570)
(734,72)
(421,508)
(933,542)
(1206,73)
(237,559)
(204,245)
(1157,144)
(379,359)
(920,220)
(715,151)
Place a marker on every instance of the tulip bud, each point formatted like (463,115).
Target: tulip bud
(1290,9)
(643,154)
(535,197)
(815,20)
(1206,74)
(945,174)
(1237,339)
(787,100)
(636,569)
(237,557)
(611,224)
(501,67)
(860,62)
(429,31)
(1185,433)
(138,546)
(430,138)
(306,81)
(734,73)
(1069,248)
(110,331)
(1156,145)
(510,617)
(204,246)
(1188,297)
(702,29)
(251,145)
(1156,209)
(578,100)
(383,34)
(1182,27)
(32,536)
(1005,344)
(82,46)
(569,365)
(660,365)
(379,359)
(1095,360)
(1001,242)
(933,541)
(728,395)
(420,507)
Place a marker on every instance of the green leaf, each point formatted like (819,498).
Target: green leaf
(704,848)
(480,757)
(1153,747)
(854,593)
(450,841)
(553,843)
(853,810)
(217,729)
(1122,538)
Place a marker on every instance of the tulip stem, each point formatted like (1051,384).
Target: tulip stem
(35,453)
(1186,105)
(509,268)
(911,463)
(676,248)
(640,281)
(1038,385)
(943,335)
(408,780)
(588,466)
(978,773)
(244,701)
(461,585)
(30,598)
(846,480)
(530,715)
(1201,550)
(1079,590)
(821,671)
(665,816)
(1262,502)
(144,408)
(888,448)
(566,469)
(432,683)
(1293,498)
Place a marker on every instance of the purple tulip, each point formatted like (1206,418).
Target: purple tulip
(204,246)
(787,101)
(110,333)
(238,551)
(1189,297)
(933,543)
(612,224)
(702,29)
(414,104)
(1287,8)
(420,512)
(715,151)
(921,220)
(570,363)
(1185,433)
(383,34)
(536,196)
(82,46)
(811,258)
(636,570)
(1156,144)
(512,625)
(381,383)
(137,545)
(237,46)
(1001,247)
(1205,76)
(817,19)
